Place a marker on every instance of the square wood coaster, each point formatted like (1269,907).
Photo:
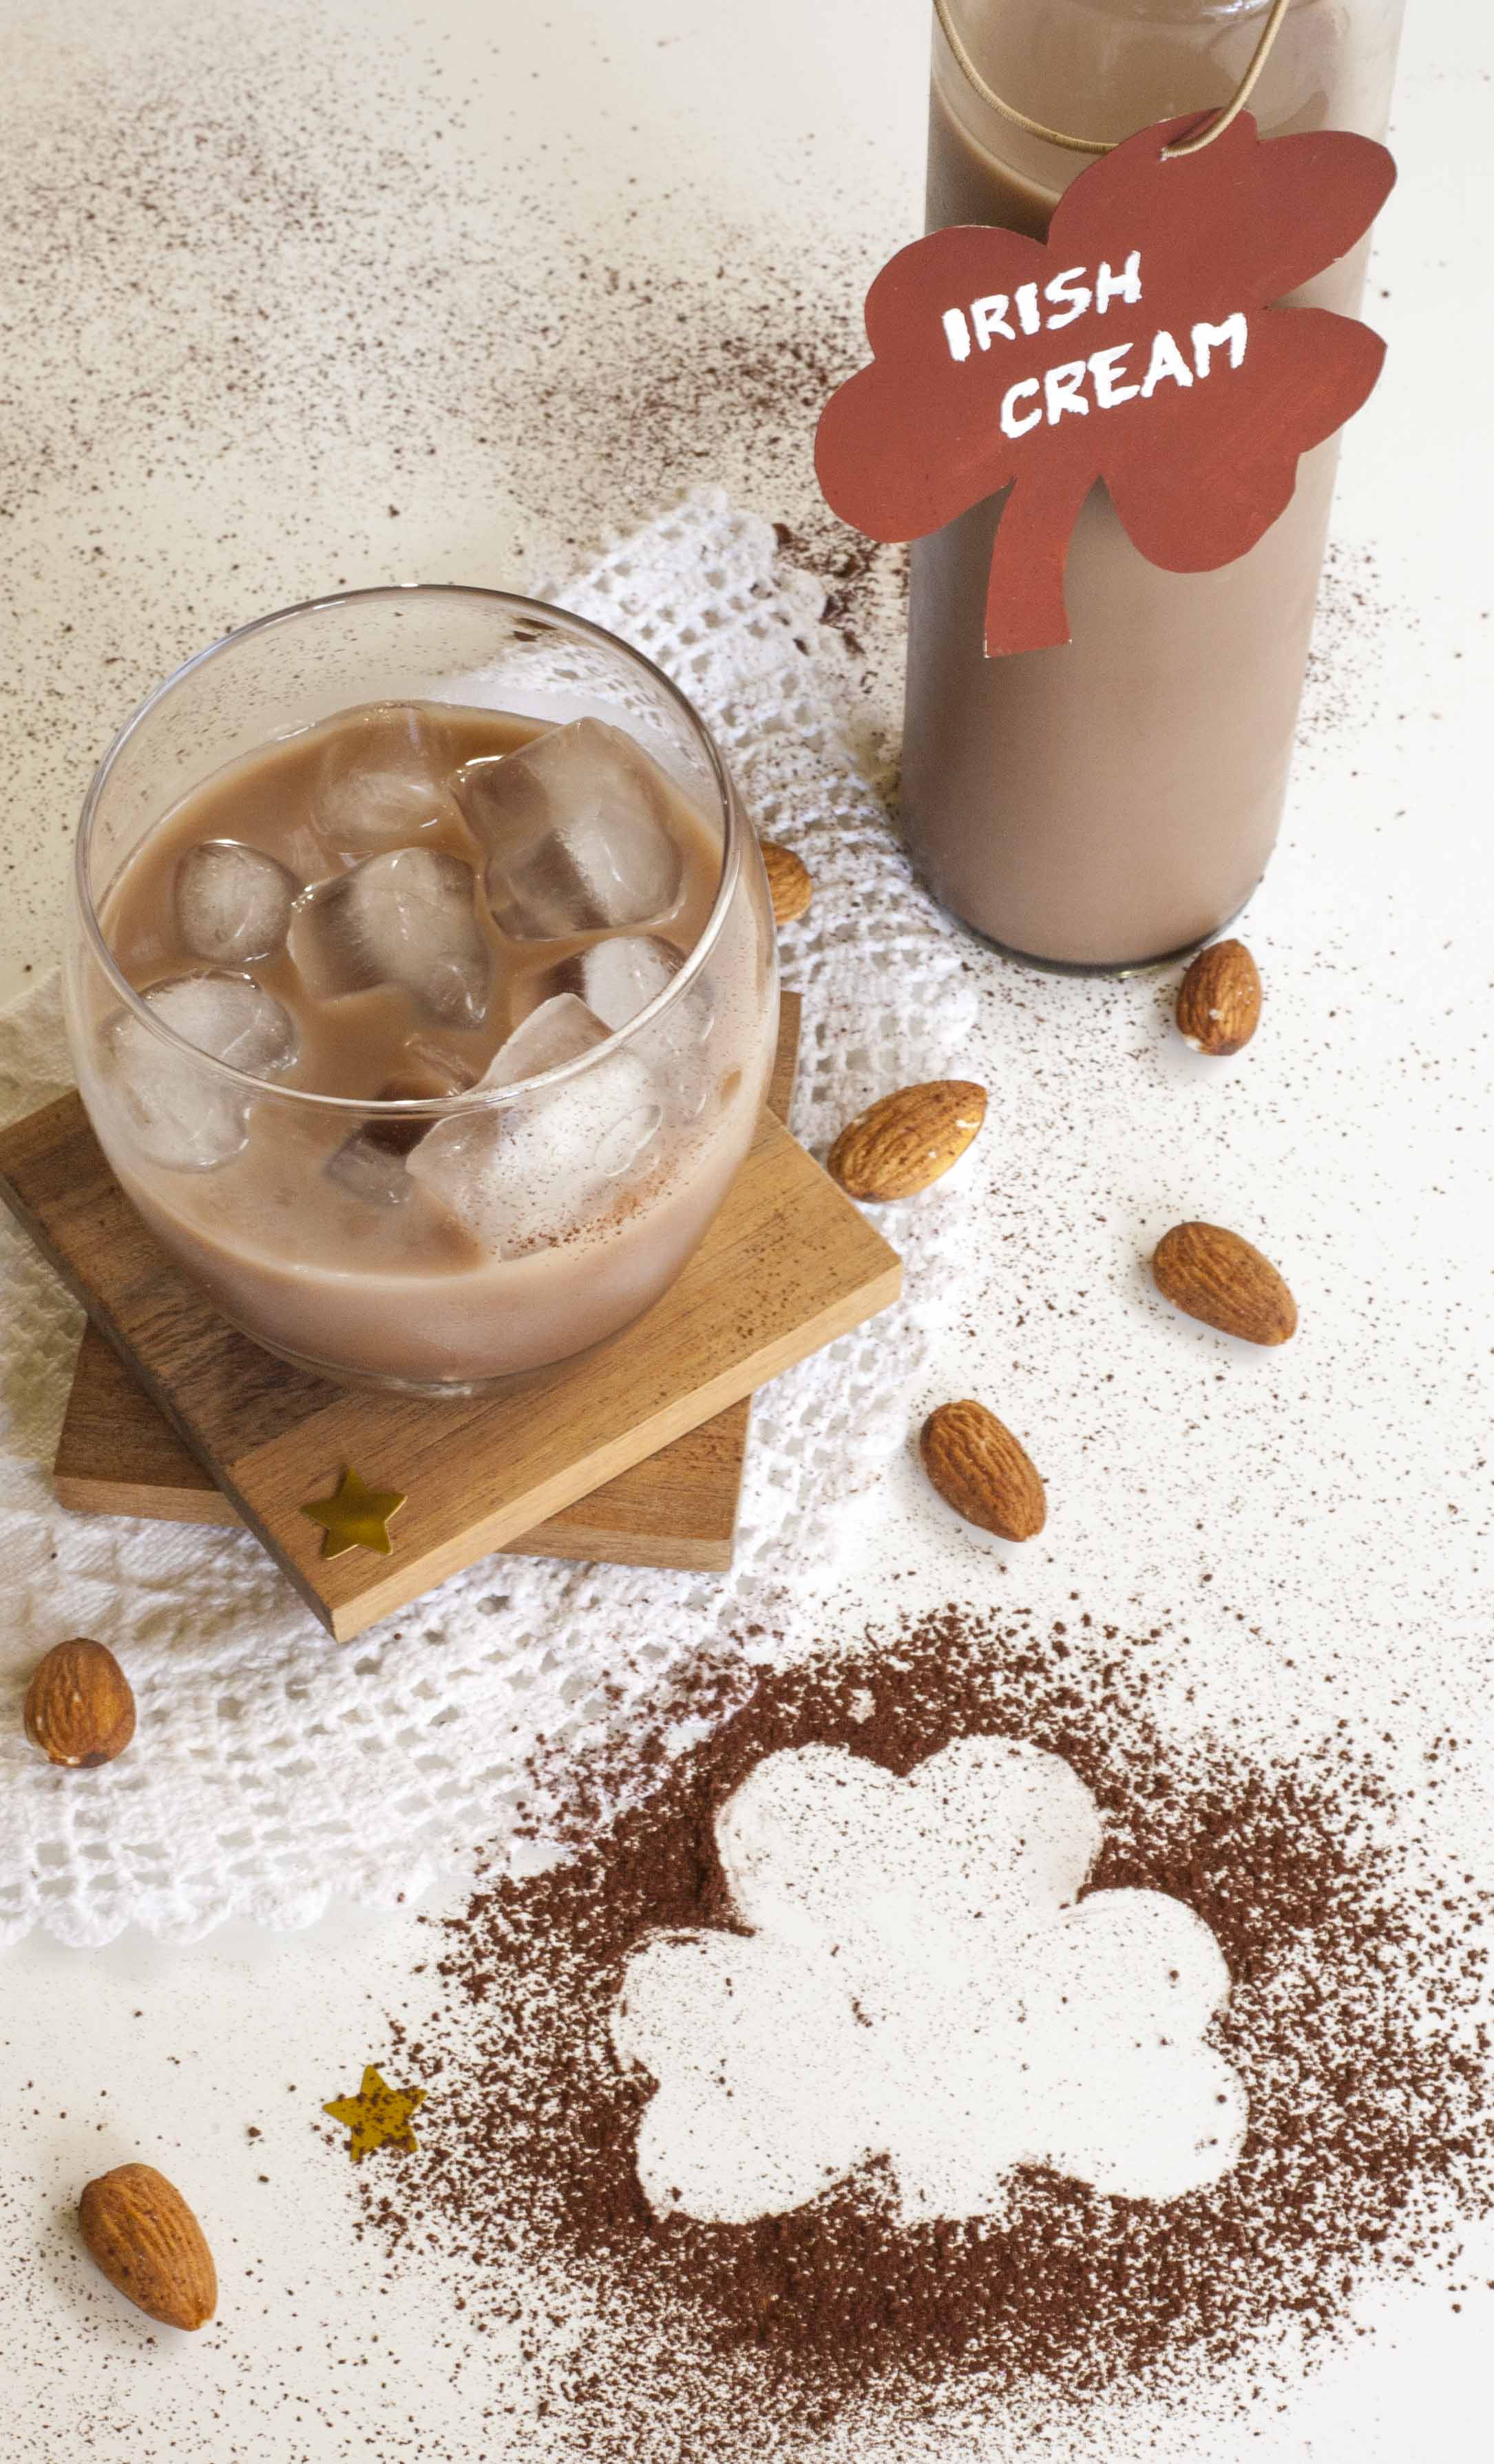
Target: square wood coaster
(677,1508)
(116,1454)
(789,1264)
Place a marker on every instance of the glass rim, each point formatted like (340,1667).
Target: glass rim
(472,1100)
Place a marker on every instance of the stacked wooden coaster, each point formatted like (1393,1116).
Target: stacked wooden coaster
(633,1454)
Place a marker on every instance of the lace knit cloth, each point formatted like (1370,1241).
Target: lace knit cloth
(273,1769)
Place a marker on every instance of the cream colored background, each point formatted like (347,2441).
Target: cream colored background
(267,272)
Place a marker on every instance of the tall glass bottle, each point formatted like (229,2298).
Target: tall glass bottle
(1114,801)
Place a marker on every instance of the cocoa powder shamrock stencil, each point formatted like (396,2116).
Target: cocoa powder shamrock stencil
(917,1978)
(1145,345)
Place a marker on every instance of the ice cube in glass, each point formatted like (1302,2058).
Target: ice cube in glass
(384,785)
(181,1116)
(621,976)
(539,1170)
(405,918)
(371,1164)
(575,830)
(233,902)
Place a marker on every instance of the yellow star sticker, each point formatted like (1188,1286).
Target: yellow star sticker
(356,1517)
(378,2116)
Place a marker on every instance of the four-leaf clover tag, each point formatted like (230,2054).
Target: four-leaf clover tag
(1143,345)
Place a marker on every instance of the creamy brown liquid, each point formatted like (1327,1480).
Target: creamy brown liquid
(1115,801)
(403,1293)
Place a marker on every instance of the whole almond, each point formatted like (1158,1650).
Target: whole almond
(980,1470)
(902,1144)
(1218,1000)
(140,2231)
(78,1706)
(789,883)
(1214,1275)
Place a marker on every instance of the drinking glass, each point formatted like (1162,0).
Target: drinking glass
(364,1294)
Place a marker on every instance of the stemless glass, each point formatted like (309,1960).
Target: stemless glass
(368,1294)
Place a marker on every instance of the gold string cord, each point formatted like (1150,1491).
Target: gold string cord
(1194,144)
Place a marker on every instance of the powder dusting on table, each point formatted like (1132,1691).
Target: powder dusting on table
(1356,2020)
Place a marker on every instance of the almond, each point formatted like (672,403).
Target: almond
(1218,1000)
(1214,1275)
(907,1140)
(140,2231)
(78,1706)
(789,883)
(980,1470)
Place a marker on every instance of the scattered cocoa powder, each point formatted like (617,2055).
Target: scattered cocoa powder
(1356,2018)
(1357,616)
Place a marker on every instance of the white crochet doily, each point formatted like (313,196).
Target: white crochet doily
(274,1769)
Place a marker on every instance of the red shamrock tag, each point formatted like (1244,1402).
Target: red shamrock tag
(1139,346)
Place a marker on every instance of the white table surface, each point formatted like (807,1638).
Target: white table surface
(285,270)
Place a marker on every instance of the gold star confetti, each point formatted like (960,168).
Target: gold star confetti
(356,1517)
(378,2116)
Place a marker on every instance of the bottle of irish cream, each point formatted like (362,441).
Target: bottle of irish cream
(1114,801)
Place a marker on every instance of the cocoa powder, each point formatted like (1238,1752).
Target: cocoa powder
(1357,2019)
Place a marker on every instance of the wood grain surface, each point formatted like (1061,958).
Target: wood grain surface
(789,1265)
(116,1455)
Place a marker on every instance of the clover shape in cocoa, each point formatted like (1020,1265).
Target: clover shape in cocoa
(918,1977)
(1143,345)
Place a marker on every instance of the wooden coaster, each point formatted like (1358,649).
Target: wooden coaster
(789,1265)
(678,1509)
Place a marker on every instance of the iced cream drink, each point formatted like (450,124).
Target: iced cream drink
(415,908)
